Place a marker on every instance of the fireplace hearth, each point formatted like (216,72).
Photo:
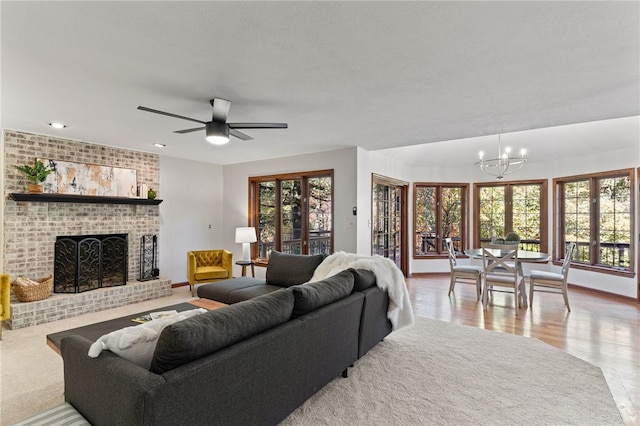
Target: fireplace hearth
(89,262)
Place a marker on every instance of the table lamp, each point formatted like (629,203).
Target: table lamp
(246,236)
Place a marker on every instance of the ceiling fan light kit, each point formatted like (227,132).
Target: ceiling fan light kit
(217,133)
(218,130)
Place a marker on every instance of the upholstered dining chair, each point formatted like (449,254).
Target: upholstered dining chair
(501,271)
(468,274)
(5,300)
(207,266)
(552,282)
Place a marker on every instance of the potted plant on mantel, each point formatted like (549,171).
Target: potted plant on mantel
(36,175)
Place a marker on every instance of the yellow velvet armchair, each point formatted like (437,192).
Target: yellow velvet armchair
(206,266)
(5,300)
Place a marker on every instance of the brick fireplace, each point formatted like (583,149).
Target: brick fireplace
(31,228)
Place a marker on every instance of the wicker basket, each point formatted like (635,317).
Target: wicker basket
(31,293)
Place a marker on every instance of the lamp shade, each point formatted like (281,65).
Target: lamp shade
(246,235)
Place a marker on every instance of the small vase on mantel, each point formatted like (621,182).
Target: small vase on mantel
(34,188)
(151,194)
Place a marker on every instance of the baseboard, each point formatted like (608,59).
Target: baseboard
(182,284)
(610,295)
(429,275)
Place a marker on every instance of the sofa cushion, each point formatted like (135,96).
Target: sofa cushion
(211,273)
(221,290)
(311,296)
(205,334)
(291,269)
(251,292)
(363,279)
(137,343)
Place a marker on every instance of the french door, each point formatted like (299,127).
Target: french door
(389,220)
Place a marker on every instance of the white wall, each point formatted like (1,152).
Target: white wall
(236,195)
(192,193)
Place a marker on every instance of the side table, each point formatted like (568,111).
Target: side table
(244,264)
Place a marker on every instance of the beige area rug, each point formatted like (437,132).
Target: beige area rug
(438,373)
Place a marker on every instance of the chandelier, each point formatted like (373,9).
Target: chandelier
(504,164)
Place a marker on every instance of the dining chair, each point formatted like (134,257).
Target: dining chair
(501,271)
(467,274)
(552,282)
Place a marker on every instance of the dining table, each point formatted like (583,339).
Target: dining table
(524,256)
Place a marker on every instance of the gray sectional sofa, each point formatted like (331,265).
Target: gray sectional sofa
(252,362)
(286,270)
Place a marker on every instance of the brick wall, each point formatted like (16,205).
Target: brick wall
(30,228)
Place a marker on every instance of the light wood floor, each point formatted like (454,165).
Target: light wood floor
(601,329)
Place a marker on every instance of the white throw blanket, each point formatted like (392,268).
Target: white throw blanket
(388,277)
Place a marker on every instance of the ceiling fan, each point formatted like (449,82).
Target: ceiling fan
(218,130)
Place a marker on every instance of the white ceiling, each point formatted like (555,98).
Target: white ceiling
(370,74)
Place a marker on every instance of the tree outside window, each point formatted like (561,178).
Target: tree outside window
(518,207)
(440,212)
(596,212)
(292,213)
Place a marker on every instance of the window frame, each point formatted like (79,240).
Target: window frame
(544,209)
(254,209)
(464,220)
(594,217)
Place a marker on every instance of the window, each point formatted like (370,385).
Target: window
(596,212)
(439,212)
(518,207)
(292,213)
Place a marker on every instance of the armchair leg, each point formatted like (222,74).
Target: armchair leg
(192,288)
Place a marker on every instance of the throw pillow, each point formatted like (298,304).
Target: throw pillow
(312,296)
(286,270)
(363,279)
(137,343)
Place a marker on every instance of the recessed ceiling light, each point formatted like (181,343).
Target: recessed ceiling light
(57,125)
(159,145)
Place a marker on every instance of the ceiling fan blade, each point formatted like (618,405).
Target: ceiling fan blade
(220,109)
(189,130)
(155,111)
(239,135)
(258,125)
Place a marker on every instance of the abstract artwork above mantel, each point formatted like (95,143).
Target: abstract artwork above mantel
(89,179)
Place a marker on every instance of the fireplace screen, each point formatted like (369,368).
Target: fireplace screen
(88,262)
